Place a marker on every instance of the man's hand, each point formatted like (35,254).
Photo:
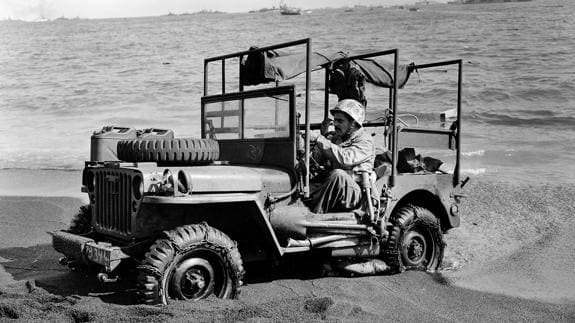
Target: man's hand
(313,136)
(325,126)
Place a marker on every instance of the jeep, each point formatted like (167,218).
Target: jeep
(186,214)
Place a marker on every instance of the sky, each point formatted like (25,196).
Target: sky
(35,9)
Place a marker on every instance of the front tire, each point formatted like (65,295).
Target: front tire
(415,241)
(81,222)
(190,263)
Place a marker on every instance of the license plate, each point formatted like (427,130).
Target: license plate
(97,255)
(105,255)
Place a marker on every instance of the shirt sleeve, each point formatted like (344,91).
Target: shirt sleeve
(358,151)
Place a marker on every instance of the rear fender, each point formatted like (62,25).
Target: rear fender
(432,191)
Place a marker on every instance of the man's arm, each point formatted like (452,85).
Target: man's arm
(359,151)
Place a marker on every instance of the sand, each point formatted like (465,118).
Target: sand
(511,260)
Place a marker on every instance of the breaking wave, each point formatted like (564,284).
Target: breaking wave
(538,118)
(473,153)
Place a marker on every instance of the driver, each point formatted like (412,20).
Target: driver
(348,149)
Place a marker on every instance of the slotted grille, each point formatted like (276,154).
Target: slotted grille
(113,200)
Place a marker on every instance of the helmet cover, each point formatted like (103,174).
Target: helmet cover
(352,108)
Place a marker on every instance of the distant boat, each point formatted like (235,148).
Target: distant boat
(483,1)
(263,10)
(41,19)
(289,11)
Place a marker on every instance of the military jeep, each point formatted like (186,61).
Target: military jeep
(186,214)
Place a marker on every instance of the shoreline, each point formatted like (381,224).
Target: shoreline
(41,183)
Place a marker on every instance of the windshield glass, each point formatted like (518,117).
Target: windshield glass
(249,118)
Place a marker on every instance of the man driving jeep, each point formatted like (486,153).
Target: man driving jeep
(341,153)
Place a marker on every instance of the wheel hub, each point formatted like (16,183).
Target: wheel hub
(194,282)
(414,249)
(192,279)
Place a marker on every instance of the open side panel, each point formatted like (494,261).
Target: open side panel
(430,138)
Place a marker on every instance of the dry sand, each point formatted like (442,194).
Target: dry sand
(511,260)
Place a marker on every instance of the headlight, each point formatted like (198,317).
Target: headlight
(454,210)
(90,181)
(138,187)
(167,185)
(184,182)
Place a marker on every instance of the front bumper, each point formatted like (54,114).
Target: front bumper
(87,250)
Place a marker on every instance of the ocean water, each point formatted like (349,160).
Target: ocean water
(61,80)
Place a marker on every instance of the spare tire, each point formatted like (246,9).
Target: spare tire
(177,151)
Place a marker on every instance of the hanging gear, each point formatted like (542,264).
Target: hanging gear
(347,81)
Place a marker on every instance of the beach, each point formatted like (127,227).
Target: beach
(507,262)
(510,260)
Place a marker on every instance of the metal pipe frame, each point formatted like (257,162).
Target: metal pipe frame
(260,49)
(459,63)
(394,120)
(307,43)
(392,101)
(374,54)
(307,116)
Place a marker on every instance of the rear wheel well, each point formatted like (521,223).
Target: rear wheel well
(427,200)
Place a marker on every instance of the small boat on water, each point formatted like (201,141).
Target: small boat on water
(289,11)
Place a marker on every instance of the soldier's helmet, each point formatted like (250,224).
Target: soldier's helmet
(352,108)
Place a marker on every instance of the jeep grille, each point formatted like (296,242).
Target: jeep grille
(114,205)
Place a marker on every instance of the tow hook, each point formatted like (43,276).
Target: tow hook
(103,278)
(72,263)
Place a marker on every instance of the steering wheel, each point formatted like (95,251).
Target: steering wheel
(315,168)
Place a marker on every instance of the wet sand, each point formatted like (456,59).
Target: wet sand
(510,261)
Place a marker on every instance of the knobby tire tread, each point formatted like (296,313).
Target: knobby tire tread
(403,219)
(81,222)
(182,239)
(178,151)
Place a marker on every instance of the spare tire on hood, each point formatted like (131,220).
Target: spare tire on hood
(177,151)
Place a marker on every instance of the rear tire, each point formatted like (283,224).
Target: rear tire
(190,263)
(415,240)
(180,151)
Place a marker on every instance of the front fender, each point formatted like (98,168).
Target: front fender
(239,215)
